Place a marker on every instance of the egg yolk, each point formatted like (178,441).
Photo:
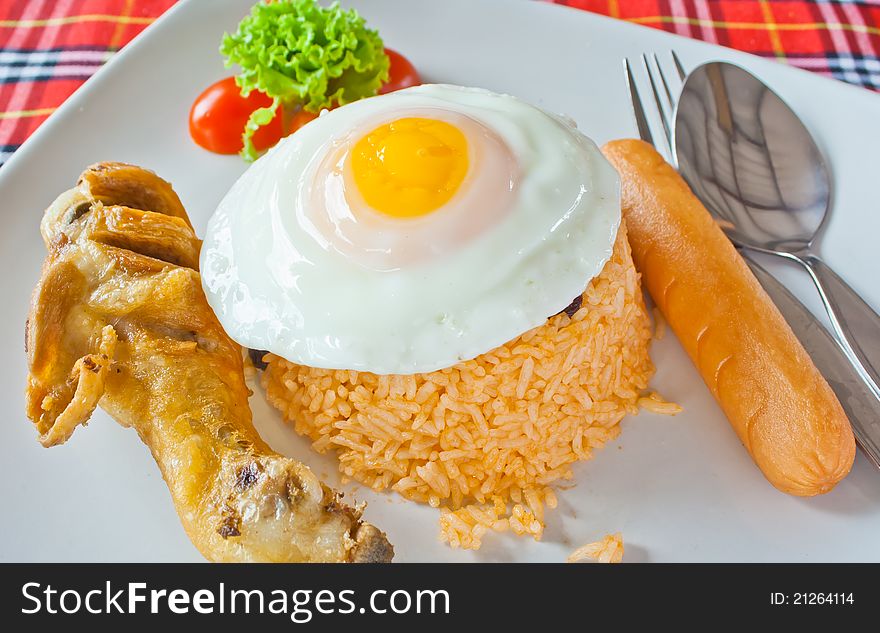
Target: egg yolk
(410,167)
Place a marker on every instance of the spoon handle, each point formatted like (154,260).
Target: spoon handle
(861,405)
(855,323)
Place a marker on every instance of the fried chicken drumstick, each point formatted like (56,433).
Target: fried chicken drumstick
(119,319)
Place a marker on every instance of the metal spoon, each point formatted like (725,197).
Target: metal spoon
(754,165)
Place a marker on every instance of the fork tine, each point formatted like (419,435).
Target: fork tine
(638,109)
(670,100)
(661,107)
(678,66)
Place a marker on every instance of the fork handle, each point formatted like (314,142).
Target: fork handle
(854,321)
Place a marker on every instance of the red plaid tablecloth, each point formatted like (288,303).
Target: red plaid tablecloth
(49,47)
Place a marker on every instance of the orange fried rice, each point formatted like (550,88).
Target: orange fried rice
(485,440)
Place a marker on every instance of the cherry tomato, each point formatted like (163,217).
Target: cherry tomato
(299,119)
(218,115)
(402,73)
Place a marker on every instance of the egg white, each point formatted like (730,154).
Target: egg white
(276,285)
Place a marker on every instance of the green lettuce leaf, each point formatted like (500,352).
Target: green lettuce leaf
(304,55)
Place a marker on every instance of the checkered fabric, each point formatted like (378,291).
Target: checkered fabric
(49,47)
(836,38)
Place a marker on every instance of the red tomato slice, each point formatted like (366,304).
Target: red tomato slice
(299,119)
(402,73)
(218,116)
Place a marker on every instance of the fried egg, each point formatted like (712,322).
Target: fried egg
(407,232)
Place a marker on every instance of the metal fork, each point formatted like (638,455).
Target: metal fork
(665,102)
(861,405)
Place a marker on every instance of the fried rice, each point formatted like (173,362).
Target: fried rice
(608,550)
(486,440)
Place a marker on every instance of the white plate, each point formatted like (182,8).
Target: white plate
(680,489)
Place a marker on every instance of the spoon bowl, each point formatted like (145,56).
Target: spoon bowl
(749,154)
(748,157)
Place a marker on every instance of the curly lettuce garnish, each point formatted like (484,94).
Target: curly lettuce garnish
(303,56)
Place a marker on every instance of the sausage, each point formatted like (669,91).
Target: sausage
(768,387)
